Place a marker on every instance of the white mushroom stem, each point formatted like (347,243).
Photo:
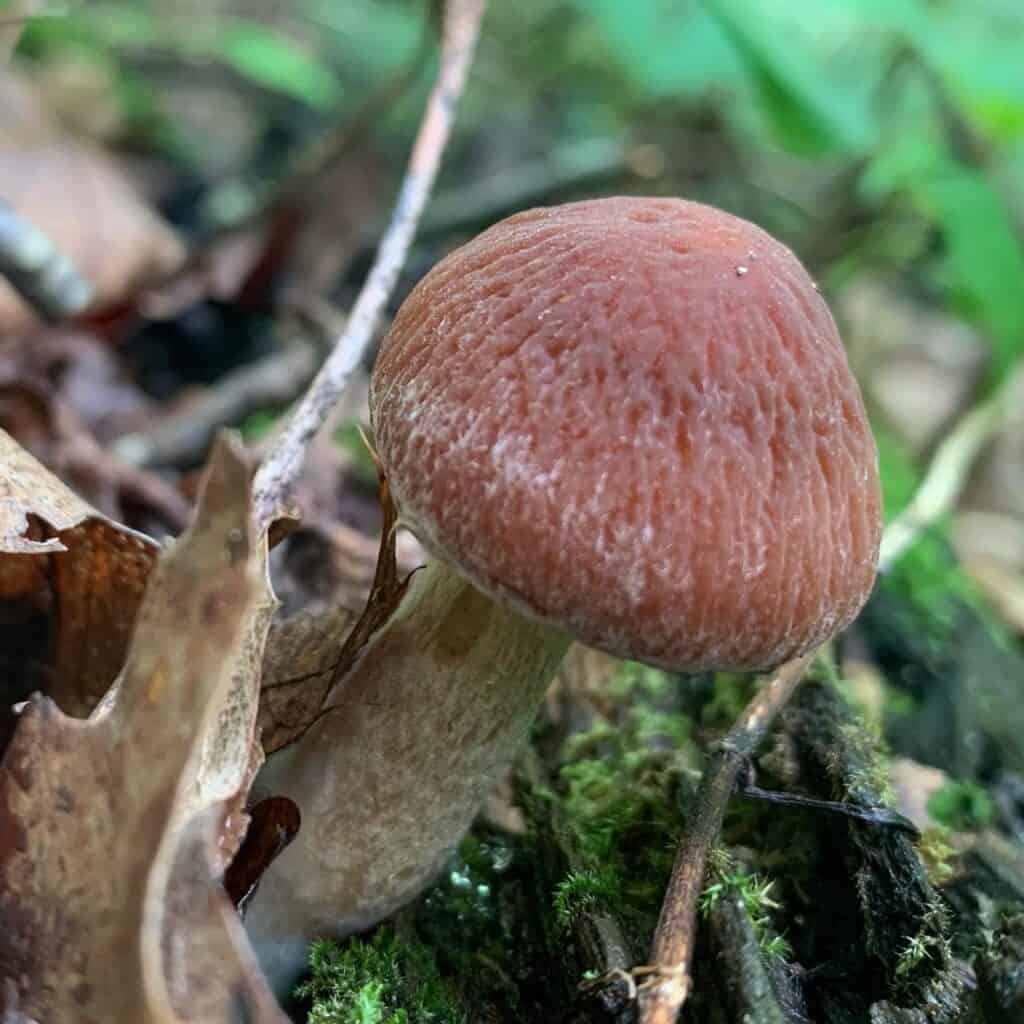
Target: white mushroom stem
(390,778)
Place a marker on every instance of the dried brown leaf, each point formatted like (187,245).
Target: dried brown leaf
(26,488)
(302,655)
(77,574)
(273,824)
(110,828)
(308,652)
(86,373)
(50,430)
(231,753)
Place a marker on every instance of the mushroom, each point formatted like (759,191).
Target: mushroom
(627,421)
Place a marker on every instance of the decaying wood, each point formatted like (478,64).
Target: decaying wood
(666,983)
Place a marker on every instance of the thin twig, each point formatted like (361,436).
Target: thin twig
(948,471)
(38,271)
(749,993)
(326,154)
(184,437)
(879,817)
(279,473)
(666,982)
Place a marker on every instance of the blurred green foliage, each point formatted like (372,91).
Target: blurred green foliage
(961,805)
(918,103)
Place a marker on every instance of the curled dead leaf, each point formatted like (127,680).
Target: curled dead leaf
(111,828)
(310,651)
(70,584)
(273,824)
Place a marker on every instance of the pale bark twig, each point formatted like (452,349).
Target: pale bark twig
(38,271)
(279,473)
(947,473)
(666,983)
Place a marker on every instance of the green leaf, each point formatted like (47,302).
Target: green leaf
(979,61)
(960,805)
(988,84)
(372,36)
(277,63)
(809,113)
(984,257)
(114,25)
(665,50)
(257,53)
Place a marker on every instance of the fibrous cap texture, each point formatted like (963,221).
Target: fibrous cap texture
(634,418)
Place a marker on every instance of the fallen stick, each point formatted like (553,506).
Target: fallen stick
(666,982)
(279,472)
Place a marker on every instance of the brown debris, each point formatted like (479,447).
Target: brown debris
(273,824)
(302,656)
(107,889)
(40,421)
(86,572)
(310,651)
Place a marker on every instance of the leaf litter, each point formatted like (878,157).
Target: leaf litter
(112,830)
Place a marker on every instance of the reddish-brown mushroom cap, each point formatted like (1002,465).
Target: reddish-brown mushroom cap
(634,418)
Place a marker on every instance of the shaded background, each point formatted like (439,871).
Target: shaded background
(882,140)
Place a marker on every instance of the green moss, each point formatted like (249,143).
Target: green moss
(866,763)
(929,944)
(732,693)
(930,580)
(754,893)
(636,680)
(619,788)
(584,892)
(937,854)
(927,575)
(896,468)
(477,922)
(961,805)
(384,980)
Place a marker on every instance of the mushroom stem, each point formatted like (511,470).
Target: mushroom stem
(390,777)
